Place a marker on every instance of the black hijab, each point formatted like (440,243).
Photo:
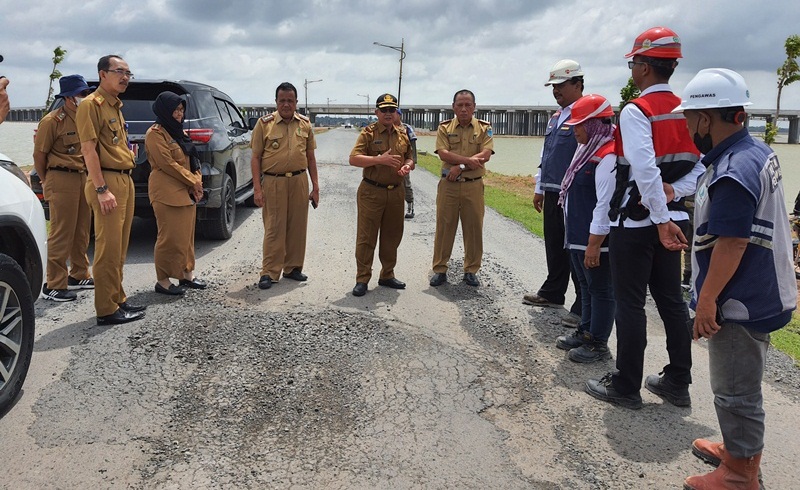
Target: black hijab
(163,107)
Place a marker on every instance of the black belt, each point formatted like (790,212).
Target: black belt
(465,179)
(382,186)
(65,169)
(287,174)
(125,171)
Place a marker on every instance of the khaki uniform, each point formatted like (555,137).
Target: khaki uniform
(462,199)
(70,215)
(381,207)
(284,146)
(168,187)
(100,118)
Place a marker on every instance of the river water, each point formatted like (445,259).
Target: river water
(514,155)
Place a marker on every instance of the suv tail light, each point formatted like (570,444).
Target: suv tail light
(201,135)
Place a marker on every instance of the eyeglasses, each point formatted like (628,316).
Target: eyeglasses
(390,110)
(631,64)
(121,72)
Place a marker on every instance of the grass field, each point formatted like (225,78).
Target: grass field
(512,197)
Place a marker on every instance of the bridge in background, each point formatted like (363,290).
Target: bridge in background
(506,120)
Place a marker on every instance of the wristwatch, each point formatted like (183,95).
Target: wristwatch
(462,166)
(102,189)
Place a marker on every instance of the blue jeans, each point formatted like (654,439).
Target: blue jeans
(597,296)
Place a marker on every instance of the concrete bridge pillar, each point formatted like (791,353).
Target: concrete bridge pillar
(794,130)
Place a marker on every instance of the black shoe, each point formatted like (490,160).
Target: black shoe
(590,352)
(602,389)
(438,279)
(265,282)
(73,283)
(574,340)
(60,295)
(410,211)
(194,283)
(672,391)
(296,275)
(360,289)
(172,290)
(471,279)
(132,308)
(120,316)
(392,283)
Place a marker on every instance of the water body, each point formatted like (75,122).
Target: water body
(514,155)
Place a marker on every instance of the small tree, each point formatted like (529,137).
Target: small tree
(628,93)
(58,56)
(788,73)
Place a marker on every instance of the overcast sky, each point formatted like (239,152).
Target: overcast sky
(500,49)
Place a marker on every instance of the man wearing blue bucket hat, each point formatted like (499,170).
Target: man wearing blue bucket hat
(59,163)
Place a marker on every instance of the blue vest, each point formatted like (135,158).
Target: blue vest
(762,293)
(581,201)
(559,147)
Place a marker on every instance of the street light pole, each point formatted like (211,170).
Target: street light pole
(305,85)
(401,49)
(329,109)
(367,97)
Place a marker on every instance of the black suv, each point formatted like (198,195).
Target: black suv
(221,135)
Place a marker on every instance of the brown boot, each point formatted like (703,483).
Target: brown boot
(731,474)
(710,452)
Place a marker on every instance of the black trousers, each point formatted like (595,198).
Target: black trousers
(559,263)
(638,260)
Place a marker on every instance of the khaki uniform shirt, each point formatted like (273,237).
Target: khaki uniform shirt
(466,141)
(170,178)
(283,145)
(376,139)
(57,136)
(100,118)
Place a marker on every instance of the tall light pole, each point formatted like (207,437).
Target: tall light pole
(402,51)
(329,109)
(305,85)
(367,97)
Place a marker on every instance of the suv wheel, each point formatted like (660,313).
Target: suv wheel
(16,330)
(220,226)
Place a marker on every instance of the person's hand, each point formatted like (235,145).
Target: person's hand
(591,257)
(258,198)
(669,191)
(395,161)
(454,174)
(475,162)
(538,202)
(671,236)
(108,202)
(705,324)
(404,170)
(313,196)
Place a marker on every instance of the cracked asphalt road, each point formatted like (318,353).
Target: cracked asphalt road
(305,386)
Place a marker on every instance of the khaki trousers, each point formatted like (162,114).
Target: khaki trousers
(112,233)
(285,218)
(454,201)
(379,210)
(70,222)
(173,253)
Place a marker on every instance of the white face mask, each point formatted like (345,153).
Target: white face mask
(77,100)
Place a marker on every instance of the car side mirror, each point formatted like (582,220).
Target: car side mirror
(251,123)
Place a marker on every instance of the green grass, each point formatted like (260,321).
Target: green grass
(511,197)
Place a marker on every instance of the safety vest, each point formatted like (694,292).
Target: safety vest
(675,153)
(581,200)
(557,152)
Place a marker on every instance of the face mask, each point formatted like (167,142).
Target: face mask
(703,143)
(77,100)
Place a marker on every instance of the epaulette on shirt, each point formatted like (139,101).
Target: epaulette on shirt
(61,115)
(487,123)
(267,118)
(304,118)
(446,121)
(99,100)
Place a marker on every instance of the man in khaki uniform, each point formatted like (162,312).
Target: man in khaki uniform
(464,145)
(58,161)
(283,150)
(384,152)
(109,188)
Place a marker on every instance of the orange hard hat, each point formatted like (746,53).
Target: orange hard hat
(657,42)
(590,106)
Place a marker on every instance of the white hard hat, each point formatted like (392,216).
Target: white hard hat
(563,71)
(714,88)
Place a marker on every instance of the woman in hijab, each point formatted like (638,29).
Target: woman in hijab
(175,185)
(585,195)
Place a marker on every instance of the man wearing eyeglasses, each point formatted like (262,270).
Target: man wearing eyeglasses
(109,189)
(59,163)
(464,144)
(384,152)
(657,166)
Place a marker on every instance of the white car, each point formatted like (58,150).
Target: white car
(23,255)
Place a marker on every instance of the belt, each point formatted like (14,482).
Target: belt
(119,171)
(65,169)
(465,179)
(287,174)
(378,184)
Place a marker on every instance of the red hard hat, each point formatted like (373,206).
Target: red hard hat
(589,107)
(657,42)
